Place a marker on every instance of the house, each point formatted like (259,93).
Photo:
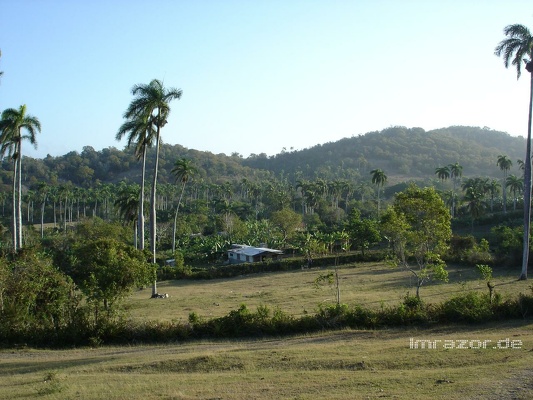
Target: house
(240,253)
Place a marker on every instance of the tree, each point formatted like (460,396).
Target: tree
(151,104)
(494,187)
(127,203)
(505,165)
(183,170)
(42,195)
(515,185)
(141,131)
(475,203)
(456,172)
(107,269)
(12,124)
(418,227)
(287,221)
(442,173)
(363,232)
(379,179)
(517,48)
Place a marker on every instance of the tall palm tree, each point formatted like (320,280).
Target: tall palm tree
(379,179)
(140,131)
(12,124)
(43,191)
(151,102)
(505,165)
(183,170)
(456,172)
(516,49)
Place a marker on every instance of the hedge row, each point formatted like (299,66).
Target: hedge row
(472,307)
(285,264)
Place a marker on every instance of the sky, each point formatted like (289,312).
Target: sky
(260,76)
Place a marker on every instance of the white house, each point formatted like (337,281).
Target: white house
(240,253)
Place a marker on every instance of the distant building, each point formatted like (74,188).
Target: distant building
(240,253)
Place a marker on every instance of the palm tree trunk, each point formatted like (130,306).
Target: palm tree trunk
(42,218)
(527,187)
(15,236)
(153,211)
(19,200)
(140,220)
(176,219)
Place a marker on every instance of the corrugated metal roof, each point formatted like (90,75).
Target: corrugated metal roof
(252,251)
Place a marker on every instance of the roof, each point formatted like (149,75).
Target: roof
(252,251)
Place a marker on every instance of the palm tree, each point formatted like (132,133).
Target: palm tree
(456,172)
(519,47)
(42,195)
(141,132)
(12,123)
(515,185)
(151,103)
(442,173)
(494,187)
(379,179)
(183,170)
(127,202)
(505,164)
(475,203)
(516,49)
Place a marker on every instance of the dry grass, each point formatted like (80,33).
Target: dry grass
(334,365)
(370,284)
(330,365)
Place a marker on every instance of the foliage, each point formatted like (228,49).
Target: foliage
(363,232)
(36,300)
(418,229)
(507,244)
(106,270)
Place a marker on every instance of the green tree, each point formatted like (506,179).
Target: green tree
(515,185)
(12,124)
(140,130)
(184,169)
(516,49)
(127,202)
(43,191)
(151,104)
(418,227)
(287,221)
(456,172)
(363,232)
(34,295)
(106,270)
(442,173)
(379,179)
(505,165)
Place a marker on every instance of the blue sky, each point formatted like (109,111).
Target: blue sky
(260,75)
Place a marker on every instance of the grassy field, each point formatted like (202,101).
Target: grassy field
(345,364)
(370,284)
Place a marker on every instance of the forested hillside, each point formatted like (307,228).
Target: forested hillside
(403,153)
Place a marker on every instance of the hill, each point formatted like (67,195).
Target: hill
(403,153)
